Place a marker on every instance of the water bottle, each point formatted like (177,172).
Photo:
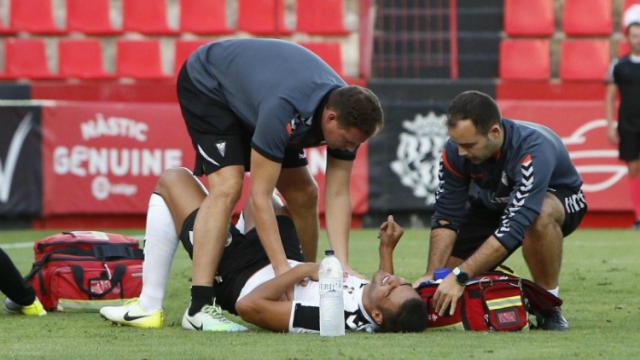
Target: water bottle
(331,302)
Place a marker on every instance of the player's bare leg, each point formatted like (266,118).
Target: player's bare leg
(542,250)
(634,189)
(542,245)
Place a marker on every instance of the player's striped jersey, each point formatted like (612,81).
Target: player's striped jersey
(305,308)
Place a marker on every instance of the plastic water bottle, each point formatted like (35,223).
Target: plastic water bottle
(331,302)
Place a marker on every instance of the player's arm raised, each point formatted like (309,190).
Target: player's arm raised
(389,235)
(264,307)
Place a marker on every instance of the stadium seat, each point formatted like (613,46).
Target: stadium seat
(584,59)
(529,18)
(321,17)
(330,52)
(203,17)
(262,17)
(4,29)
(34,16)
(623,48)
(81,59)
(139,59)
(587,17)
(183,49)
(26,58)
(145,16)
(89,17)
(525,60)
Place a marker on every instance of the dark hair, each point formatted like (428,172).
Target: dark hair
(357,107)
(479,107)
(411,317)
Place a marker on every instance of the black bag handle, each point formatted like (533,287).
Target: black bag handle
(104,252)
(116,278)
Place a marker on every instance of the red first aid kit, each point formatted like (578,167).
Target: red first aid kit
(85,270)
(493,301)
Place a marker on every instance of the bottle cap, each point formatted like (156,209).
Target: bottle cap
(440,273)
(328,252)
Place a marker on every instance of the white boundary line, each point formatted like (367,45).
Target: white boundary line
(29,244)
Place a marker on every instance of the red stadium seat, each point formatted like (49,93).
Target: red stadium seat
(525,60)
(623,48)
(330,52)
(81,58)
(587,17)
(183,49)
(528,18)
(26,58)
(262,17)
(89,17)
(322,17)
(145,16)
(139,59)
(4,29)
(584,59)
(34,16)
(203,17)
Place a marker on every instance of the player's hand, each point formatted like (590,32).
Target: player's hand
(390,233)
(612,133)
(447,295)
(310,270)
(428,276)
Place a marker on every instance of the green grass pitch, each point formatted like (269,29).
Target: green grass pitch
(599,284)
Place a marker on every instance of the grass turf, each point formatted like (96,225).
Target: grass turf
(599,284)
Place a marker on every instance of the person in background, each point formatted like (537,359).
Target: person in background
(624,76)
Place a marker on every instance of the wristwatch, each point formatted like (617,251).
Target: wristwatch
(461,276)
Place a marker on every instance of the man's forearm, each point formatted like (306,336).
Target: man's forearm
(488,255)
(267,229)
(338,221)
(440,245)
(279,285)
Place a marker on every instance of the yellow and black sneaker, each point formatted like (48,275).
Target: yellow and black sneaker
(33,309)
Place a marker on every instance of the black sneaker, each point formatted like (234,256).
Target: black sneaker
(636,225)
(555,321)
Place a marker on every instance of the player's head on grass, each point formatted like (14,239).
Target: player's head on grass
(394,304)
(351,116)
(473,123)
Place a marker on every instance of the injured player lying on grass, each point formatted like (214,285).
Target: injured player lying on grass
(245,281)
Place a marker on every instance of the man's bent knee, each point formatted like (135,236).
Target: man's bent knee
(302,197)
(170,178)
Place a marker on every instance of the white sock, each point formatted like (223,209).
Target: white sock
(160,246)
(555,291)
